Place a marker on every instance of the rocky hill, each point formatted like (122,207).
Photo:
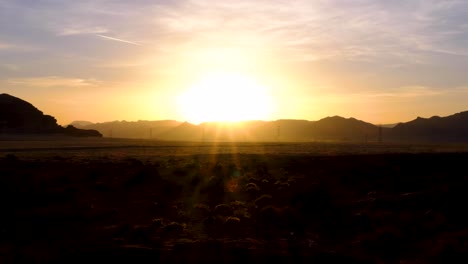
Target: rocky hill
(20,117)
(453,128)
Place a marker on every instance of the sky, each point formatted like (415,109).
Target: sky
(104,60)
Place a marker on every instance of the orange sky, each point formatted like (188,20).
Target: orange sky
(379,61)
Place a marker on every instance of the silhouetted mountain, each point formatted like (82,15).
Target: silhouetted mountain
(344,129)
(17,115)
(435,129)
(137,129)
(285,130)
(332,128)
(452,128)
(231,131)
(81,124)
(73,131)
(20,117)
(182,132)
(328,129)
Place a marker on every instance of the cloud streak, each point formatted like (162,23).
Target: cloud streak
(81,31)
(320,30)
(408,92)
(366,29)
(119,40)
(52,81)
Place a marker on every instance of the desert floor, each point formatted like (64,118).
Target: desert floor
(141,201)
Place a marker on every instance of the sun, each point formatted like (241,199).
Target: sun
(226,97)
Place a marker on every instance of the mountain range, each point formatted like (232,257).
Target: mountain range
(20,117)
(450,129)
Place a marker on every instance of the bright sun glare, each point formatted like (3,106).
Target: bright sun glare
(225,97)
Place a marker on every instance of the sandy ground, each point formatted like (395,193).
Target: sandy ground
(138,201)
(48,146)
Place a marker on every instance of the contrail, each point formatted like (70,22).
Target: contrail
(120,40)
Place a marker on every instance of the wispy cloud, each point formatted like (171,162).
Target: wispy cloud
(301,30)
(368,30)
(365,51)
(117,64)
(81,30)
(5,46)
(119,40)
(409,92)
(53,81)
(397,93)
(20,47)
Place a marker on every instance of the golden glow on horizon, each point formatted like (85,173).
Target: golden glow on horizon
(372,60)
(225,97)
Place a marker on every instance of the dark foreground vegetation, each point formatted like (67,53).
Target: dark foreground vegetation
(388,208)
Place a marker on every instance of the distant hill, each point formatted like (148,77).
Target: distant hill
(125,129)
(436,129)
(452,128)
(182,132)
(20,117)
(81,124)
(344,129)
(329,129)
(285,130)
